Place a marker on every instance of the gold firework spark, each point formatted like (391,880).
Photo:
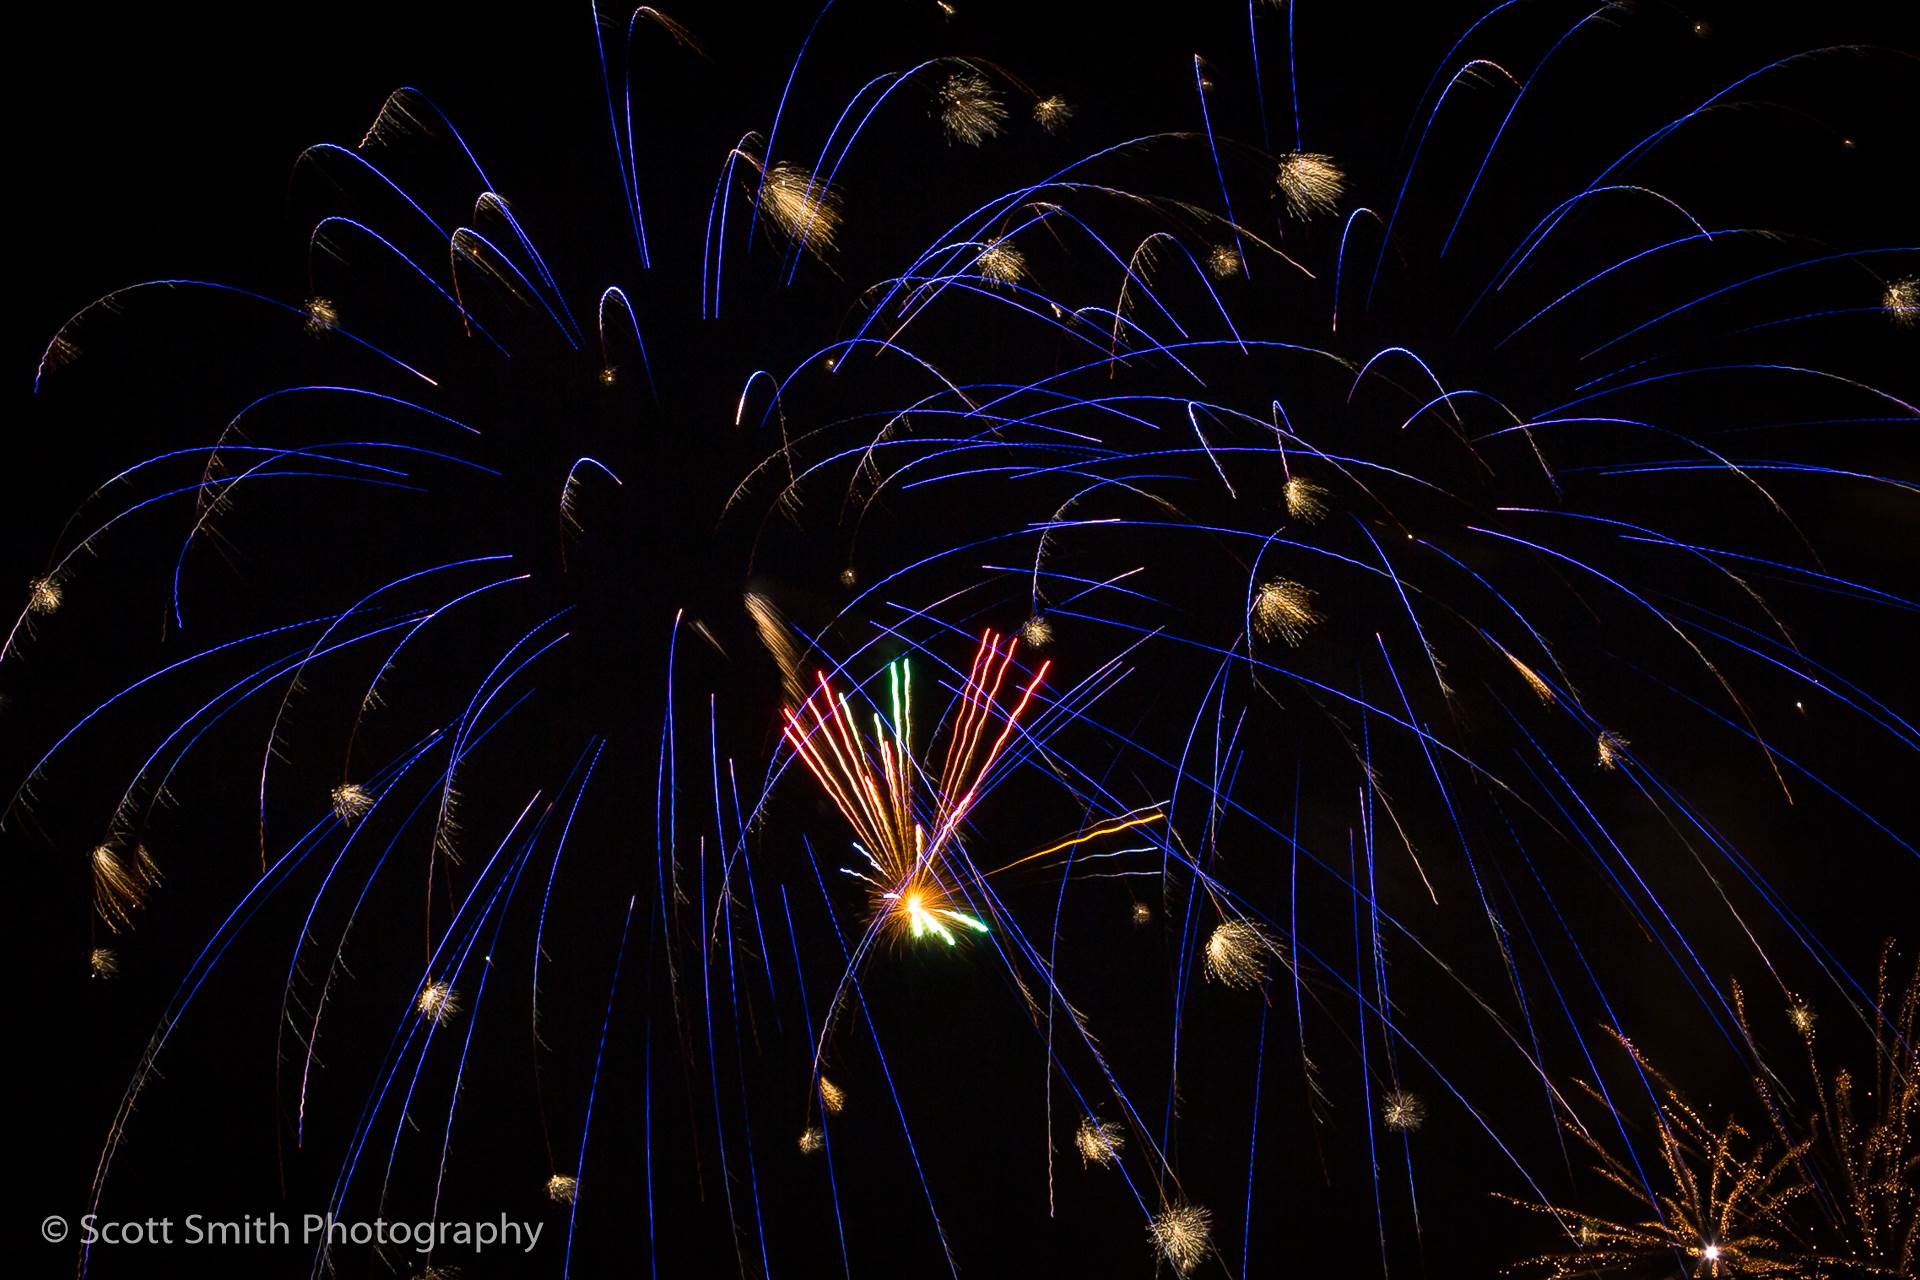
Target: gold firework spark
(1037,631)
(438,1002)
(1306,501)
(103,962)
(1902,301)
(1098,1141)
(121,884)
(350,801)
(322,316)
(777,638)
(1223,261)
(1001,263)
(1802,1017)
(1402,1112)
(832,1097)
(812,1140)
(1142,914)
(43,595)
(970,112)
(561,1189)
(1183,1233)
(1310,183)
(1052,113)
(1237,953)
(1611,747)
(1541,689)
(1283,610)
(801,207)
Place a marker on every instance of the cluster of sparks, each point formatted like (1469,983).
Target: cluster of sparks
(1237,953)
(1183,1234)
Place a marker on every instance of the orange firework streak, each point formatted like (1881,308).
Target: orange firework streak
(870,780)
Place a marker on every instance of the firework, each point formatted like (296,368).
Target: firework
(813,1140)
(103,962)
(1610,748)
(833,1099)
(1827,1195)
(437,1002)
(1237,953)
(1310,184)
(1306,501)
(969,109)
(1001,263)
(43,596)
(775,635)
(1037,632)
(1802,1017)
(871,780)
(1224,262)
(350,801)
(1052,113)
(1402,1112)
(122,883)
(561,1189)
(802,207)
(1540,689)
(1283,610)
(1098,1141)
(1901,301)
(321,316)
(1183,1234)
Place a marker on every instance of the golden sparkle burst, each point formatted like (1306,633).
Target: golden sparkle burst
(437,1003)
(1183,1233)
(122,884)
(43,596)
(1001,263)
(322,315)
(1402,1112)
(1098,1141)
(1306,501)
(1052,113)
(1611,749)
(801,206)
(1901,301)
(1283,610)
(350,801)
(1310,183)
(970,111)
(1237,953)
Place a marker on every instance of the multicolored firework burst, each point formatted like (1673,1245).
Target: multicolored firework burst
(1426,533)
